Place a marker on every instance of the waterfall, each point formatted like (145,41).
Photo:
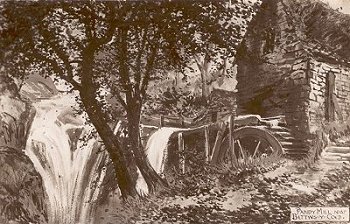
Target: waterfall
(157,145)
(72,170)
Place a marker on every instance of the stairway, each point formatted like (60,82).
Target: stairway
(292,147)
(277,126)
(336,154)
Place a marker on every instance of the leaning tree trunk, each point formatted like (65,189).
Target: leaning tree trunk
(126,160)
(124,164)
(151,177)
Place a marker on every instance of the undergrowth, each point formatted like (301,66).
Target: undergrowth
(197,195)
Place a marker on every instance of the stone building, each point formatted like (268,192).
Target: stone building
(294,61)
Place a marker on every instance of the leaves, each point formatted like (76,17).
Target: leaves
(110,52)
(159,37)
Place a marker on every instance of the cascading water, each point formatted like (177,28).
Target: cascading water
(72,173)
(157,145)
(73,170)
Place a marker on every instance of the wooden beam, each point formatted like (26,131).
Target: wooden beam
(230,131)
(219,136)
(161,121)
(207,144)
(181,145)
(232,140)
(330,87)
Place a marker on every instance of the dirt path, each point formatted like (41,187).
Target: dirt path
(299,180)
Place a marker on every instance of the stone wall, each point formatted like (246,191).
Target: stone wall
(342,85)
(274,80)
(280,73)
(280,89)
(317,99)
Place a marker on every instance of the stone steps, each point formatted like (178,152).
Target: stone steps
(290,145)
(336,154)
(282,134)
(337,149)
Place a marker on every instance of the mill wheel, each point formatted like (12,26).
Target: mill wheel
(252,146)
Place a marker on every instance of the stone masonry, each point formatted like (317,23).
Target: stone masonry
(281,71)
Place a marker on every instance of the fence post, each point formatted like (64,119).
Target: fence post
(181,145)
(182,120)
(207,146)
(161,121)
(232,140)
(219,136)
(230,127)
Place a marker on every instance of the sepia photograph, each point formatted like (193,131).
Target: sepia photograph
(175,111)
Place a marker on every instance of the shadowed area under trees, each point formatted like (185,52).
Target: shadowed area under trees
(118,48)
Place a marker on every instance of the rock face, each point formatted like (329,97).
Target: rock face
(15,115)
(22,198)
(21,192)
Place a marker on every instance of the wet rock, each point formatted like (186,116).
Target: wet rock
(21,192)
(15,116)
(22,198)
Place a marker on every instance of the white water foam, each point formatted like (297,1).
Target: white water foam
(157,145)
(71,176)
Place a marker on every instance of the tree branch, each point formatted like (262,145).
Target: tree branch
(56,68)
(76,61)
(139,58)
(115,92)
(123,59)
(149,68)
(199,64)
(108,36)
(86,21)
(62,56)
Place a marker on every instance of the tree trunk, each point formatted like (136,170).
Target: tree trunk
(152,179)
(204,72)
(124,164)
(204,85)
(133,108)
(126,159)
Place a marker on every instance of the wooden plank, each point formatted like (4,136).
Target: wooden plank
(330,85)
(217,144)
(230,131)
(274,118)
(161,121)
(232,141)
(207,144)
(181,145)
(182,121)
